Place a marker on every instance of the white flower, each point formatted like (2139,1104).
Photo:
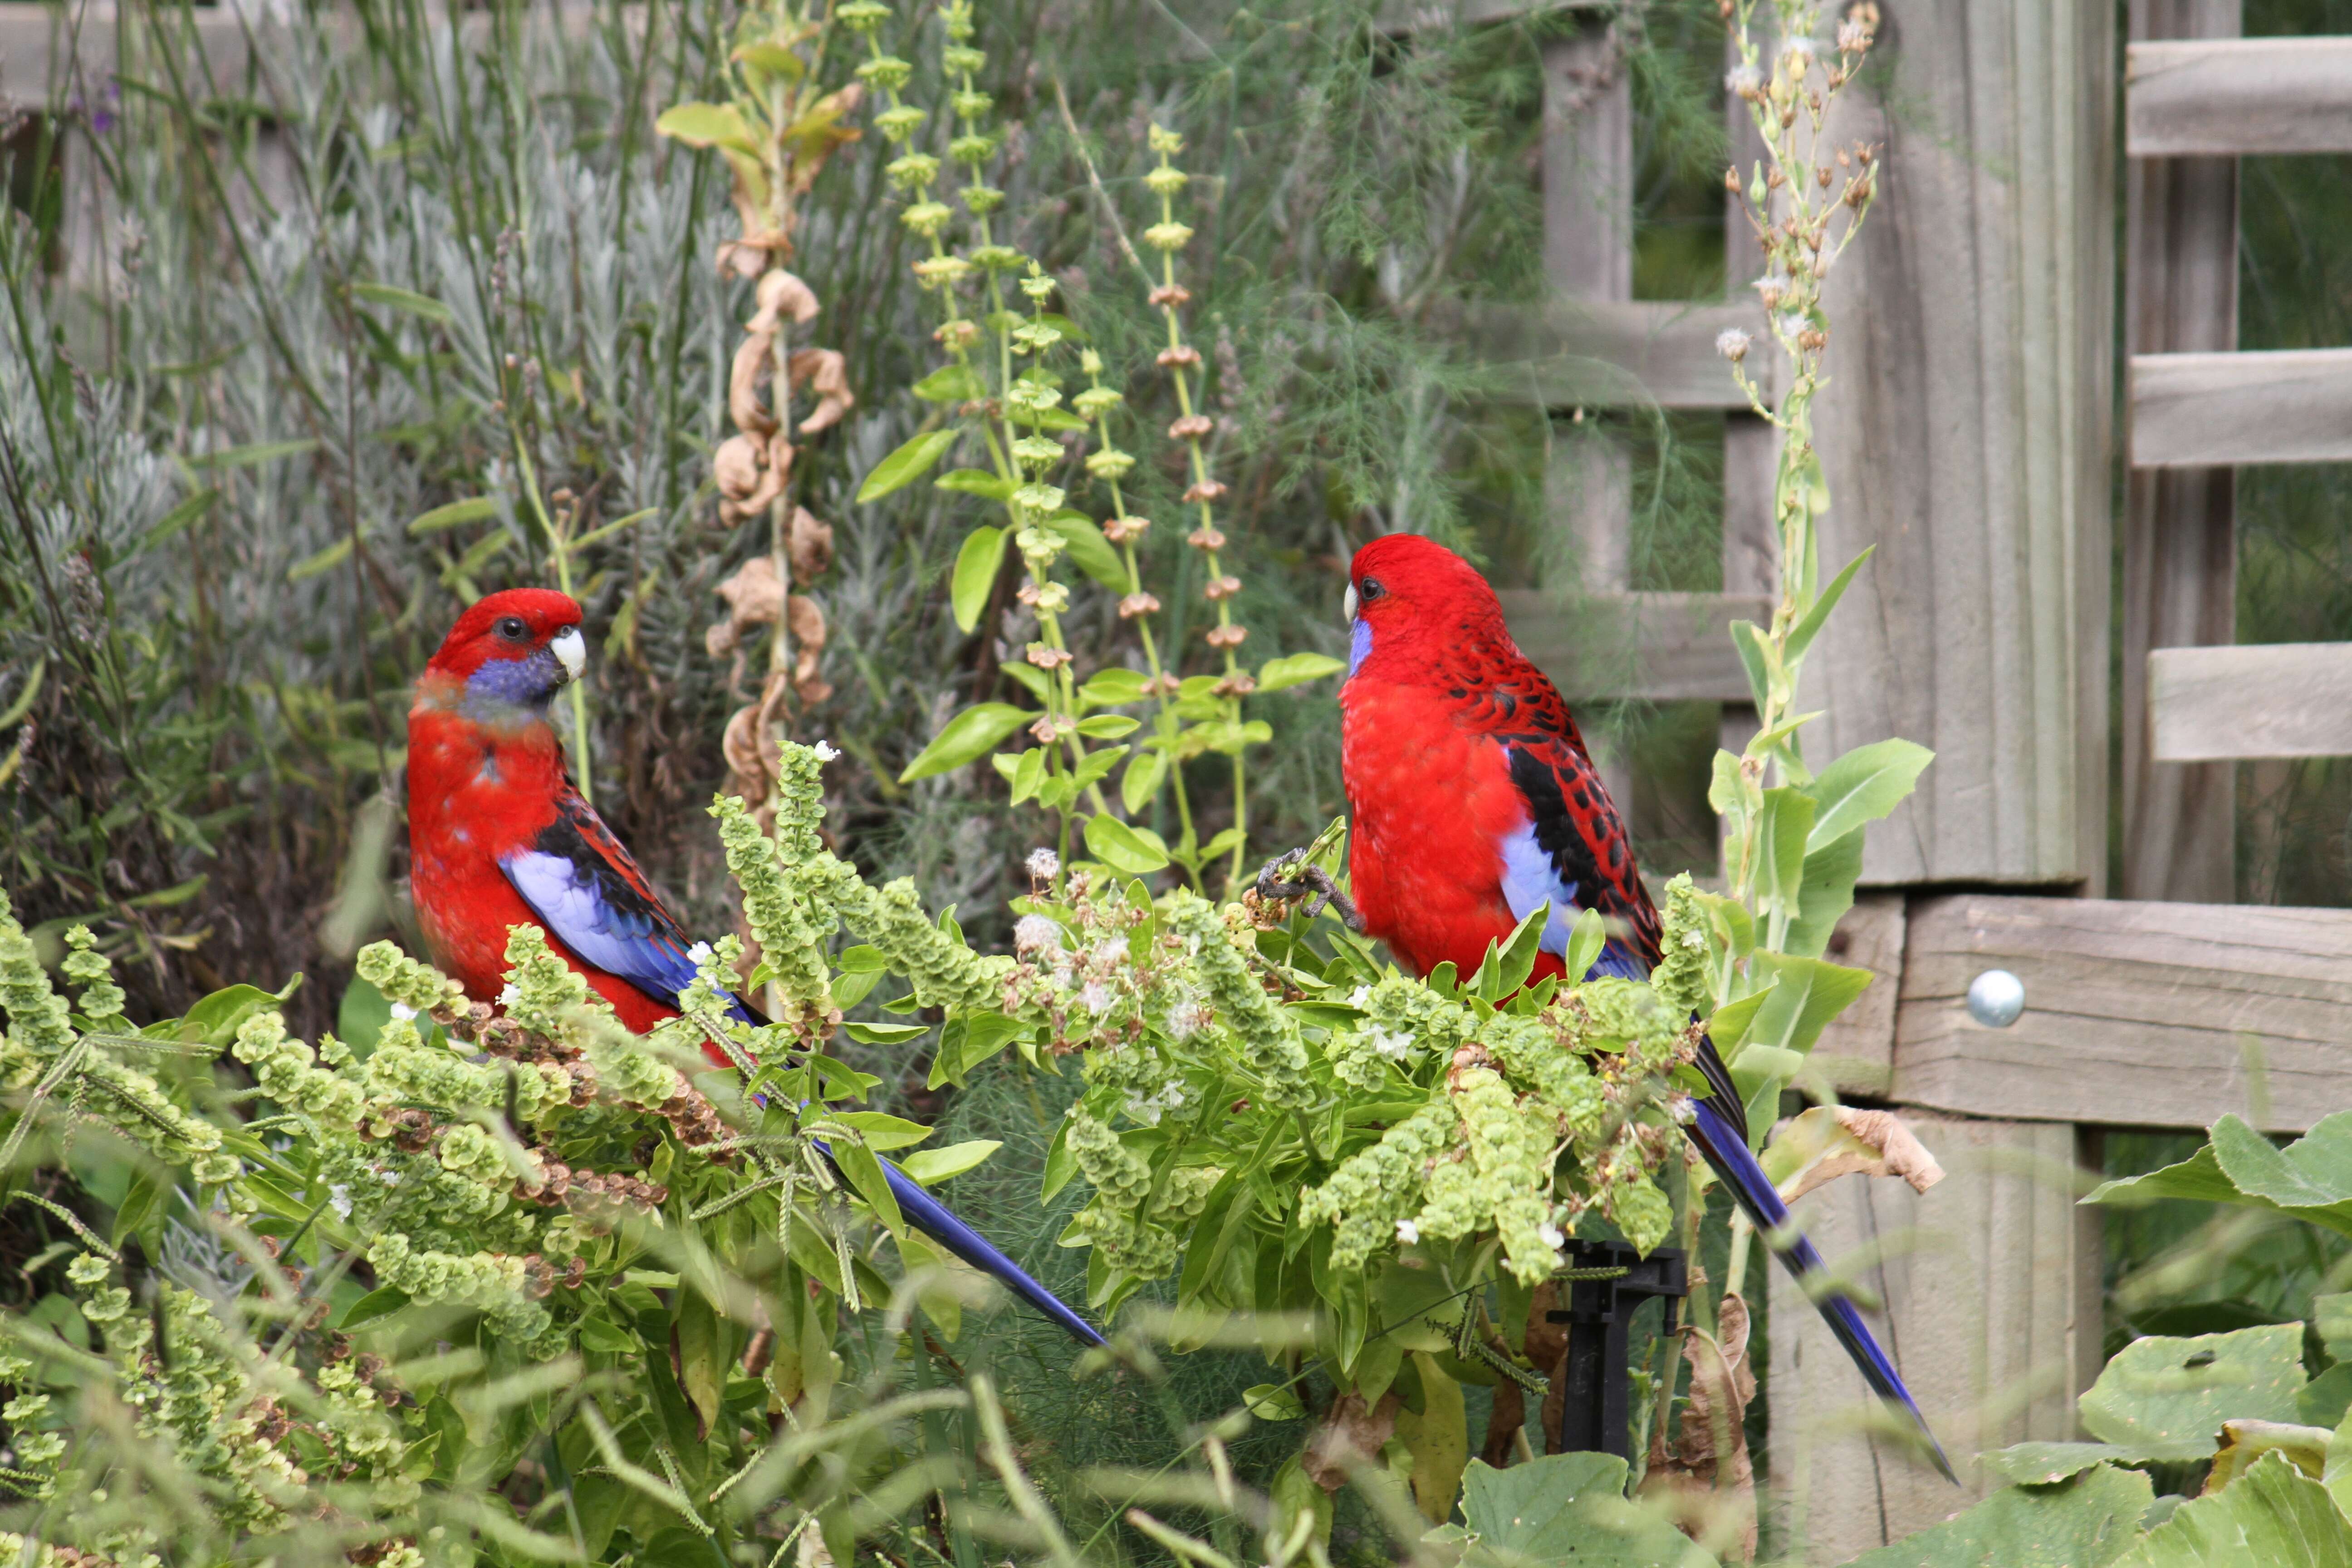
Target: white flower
(508,996)
(1853,37)
(1799,49)
(825,752)
(1035,934)
(1095,998)
(1552,1235)
(1792,325)
(1108,952)
(1044,864)
(1732,344)
(402,1011)
(1408,1231)
(1186,1019)
(699,953)
(1150,1109)
(1359,996)
(340,1197)
(1396,1047)
(1743,81)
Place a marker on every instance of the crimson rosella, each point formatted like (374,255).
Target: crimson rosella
(500,837)
(1472,802)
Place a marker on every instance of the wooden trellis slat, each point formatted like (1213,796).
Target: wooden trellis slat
(1665,647)
(2231,96)
(2196,410)
(1605,353)
(2275,699)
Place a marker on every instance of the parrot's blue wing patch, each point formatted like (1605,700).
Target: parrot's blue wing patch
(1531,877)
(587,890)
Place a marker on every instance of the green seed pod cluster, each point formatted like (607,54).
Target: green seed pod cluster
(543,993)
(943,970)
(1680,978)
(404,983)
(1267,1036)
(1623,1016)
(1372,1191)
(1502,1183)
(282,1066)
(791,927)
(39,1021)
(1530,1053)
(101,998)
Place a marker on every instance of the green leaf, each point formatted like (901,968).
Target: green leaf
(2165,1398)
(1061,1163)
(863,960)
(975,483)
(600,1334)
(250,456)
(885,1034)
(215,1020)
(1861,786)
(2083,1521)
(1782,830)
(1029,678)
(1747,641)
(863,1170)
(1801,635)
(1109,727)
(166,527)
(975,575)
(953,384)
(1114,687)
(1272,1402)
(1806,993)
(455,515)
(881,1132)
(1141,784)
(1091,552)
(372,1308)
(2310,1179)
(709,125)
(2273,1514)
(1297,670)
(1585,940)
(910,462)
(321,561)
(1564,1510)
(407,300)
(1122,847)
(774,59)
(932,1166)
(2046,1464)
(140,1203)
(967,736)
(1825,895)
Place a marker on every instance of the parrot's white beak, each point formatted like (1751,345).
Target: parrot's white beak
(1348,604)
(571,650)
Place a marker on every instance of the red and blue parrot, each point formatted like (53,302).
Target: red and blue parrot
(500,837)
(1472,802)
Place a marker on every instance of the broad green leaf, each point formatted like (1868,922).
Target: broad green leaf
(1801,635)
(456,514)
(140,1203)
(1142,783)
(863,960)
(932,1166)
(1585,940)
(1437,1435)
(1297,670)
(2326,1399)
(248,457)
(1863,786)
(1806,993)
(910,462)
(863,1170)
(1091,552)
(2272,1515)
(2198,1179)
(321,561)
(885,1034)
(600,1335)
(975,483)
(967,736)
(2244,1443)
(1563,1509)
(709,125)
(951,384)
(2332,1317)
(1824,896)
(215,1020)
(774,59)
(1028,677)
(1123,847)
(407,300)
(2310,1179)
(1272,1402)
(1061,1164)
(704,1348)
(1782,830)
(2083,1521)
(1112,687)
(881,1132)
(372,1308)
(2046,1464)
(975,575)
(1109,727)
(1747,641)
(2165,1398)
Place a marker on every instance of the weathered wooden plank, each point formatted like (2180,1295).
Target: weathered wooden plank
(1662,646)
(2137,1013)
(2233,97)
(48,50)
(1399,19)
(1612,354)
(2280,405)
(2275,699)
(2179,537)
(1991,1281)
(1965,431)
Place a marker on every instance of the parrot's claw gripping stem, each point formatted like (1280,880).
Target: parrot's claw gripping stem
(1304,878)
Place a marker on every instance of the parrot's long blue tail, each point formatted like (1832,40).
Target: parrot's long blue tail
(1724,1141)
(939,1222)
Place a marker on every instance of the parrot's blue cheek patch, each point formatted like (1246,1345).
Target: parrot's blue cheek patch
(1360,644)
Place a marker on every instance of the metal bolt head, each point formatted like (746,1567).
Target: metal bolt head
(1996,998)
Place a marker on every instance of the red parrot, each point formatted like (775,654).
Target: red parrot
(1472,801)
(499,838)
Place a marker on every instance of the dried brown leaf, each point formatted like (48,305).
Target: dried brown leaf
(1706,1475)
(1833,1141)
(1351,1433)
(811,546)
(825,374)
(753,365)
(784,297)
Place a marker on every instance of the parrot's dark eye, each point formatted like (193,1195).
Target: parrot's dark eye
(512,628)
(1369,590)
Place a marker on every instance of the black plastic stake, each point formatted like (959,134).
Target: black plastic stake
(1597,1414)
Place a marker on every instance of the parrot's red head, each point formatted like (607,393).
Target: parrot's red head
(1410,599)
(514,647)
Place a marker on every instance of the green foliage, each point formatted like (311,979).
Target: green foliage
(1562,1508)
